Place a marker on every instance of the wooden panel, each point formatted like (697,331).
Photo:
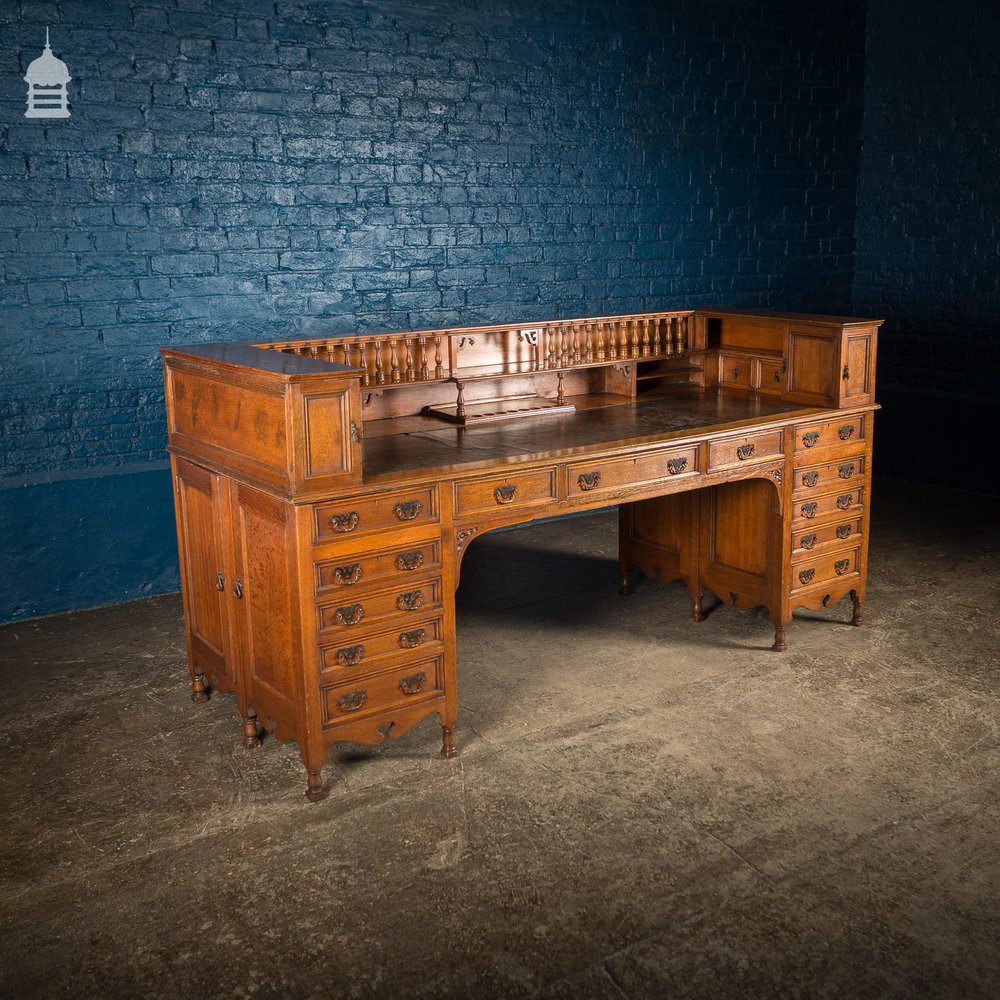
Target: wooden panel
(744,450)
(649,467)
(811,537)
(815,479)
(847,501)
(738,534)
(372,652)
(759,335)
(658,521)
(360,697)
(826,439)
(326,429)
(817,569)
(859,367)
(355,516)
(351,617)
(813,370)
(363,568)
(494,494)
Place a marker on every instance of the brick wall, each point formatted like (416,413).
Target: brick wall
(270,169)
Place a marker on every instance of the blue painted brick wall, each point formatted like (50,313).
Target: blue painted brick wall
(271,169)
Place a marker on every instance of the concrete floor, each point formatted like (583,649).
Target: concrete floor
(643,807)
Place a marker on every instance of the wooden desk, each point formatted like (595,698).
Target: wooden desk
(326,491)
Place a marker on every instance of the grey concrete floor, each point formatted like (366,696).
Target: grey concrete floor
(643,807)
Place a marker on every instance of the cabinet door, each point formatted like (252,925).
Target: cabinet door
(206,577)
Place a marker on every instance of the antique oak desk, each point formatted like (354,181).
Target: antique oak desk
(326,490)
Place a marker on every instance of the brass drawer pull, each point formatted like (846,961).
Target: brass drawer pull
(350,656)
(349,615)
(845,432)
(414,684)
(777,376)
(505,494)
(810,439)
(845,530)
(808,541)
(344,522)
(736,372)
(676,465)
(352,702)
(348,575)
(409,561)
(846,501)
(846,471)
(589,480)
(841,566)
(220,581)
(410,640)
(410,601)
(806,576)
(744,452)
(408,510)
(810,479)
(809,509)
(238,588)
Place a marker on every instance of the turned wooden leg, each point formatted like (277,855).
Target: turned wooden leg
(448,748)
(199,693)
(251,736)
(697,611)
(625,587)
(315,791)
(779,639)
(858,618)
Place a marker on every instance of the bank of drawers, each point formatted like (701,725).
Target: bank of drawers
(829,496)
(379,610)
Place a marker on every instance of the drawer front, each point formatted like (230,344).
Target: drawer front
(366,652)
(846,434)
(598,477)
(379,512)
(735,370)
(735,452)
(363,568)
(815,479)
(830,505)
(351,616)
(361,696)
(770,376)
(824,568)
(808,538)
(534,487)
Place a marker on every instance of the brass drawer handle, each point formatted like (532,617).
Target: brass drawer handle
(676,465)
(505,494)
(810,439)
(809,509)
(410,601)
(352,702)
(350,656)
(845,530)
(238,588)
(810,479)
(736,372)
(846,501)
(777,376)
(414,684)
(846,471)
(808,541)
(344,522)
(841,566)
(806,576)
(349,615)
(409,561)
(845,432)
(744,452)
(348,575)
(410,640)
(408,510)
(589,480)
(220,581)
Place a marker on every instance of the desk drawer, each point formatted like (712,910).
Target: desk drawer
(845,434)
(365,653)
(379,512)
(829,506)
(811,480)
(617,473)
(531,488)
(363,568)
(813,571)
(770,376)
(747,450)
(360,697)
(808,537)
(735,370)
(352,617)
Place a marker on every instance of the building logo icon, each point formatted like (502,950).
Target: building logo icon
(47,78)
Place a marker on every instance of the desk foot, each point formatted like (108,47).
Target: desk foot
(251,735)
(779,639)
(858,618)
(697,611)
(199,694)
(448,748)
(315,792)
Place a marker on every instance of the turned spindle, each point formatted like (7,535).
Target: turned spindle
(393,361)
(438,360)
(560,393)
(379,373)
(460,408)
(424,370)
